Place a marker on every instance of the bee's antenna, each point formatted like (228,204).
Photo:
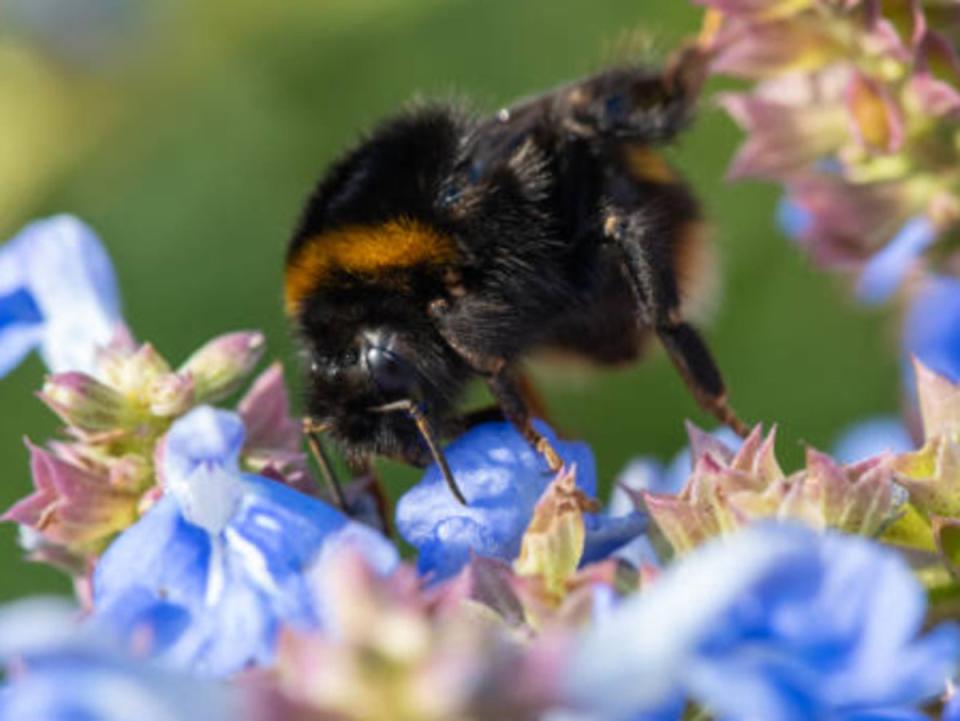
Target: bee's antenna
(423,425)
(312,431)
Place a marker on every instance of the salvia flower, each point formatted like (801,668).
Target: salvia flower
(776,622)
(400,653)
(58,293)
(61,671)
(215,566)
(857,106)
(502,478)
(645,474)
(727,490)
(89,489)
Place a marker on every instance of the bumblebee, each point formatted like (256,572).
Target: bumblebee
(446,247)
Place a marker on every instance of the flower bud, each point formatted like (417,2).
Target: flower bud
(221,365)
(131,371)
(73,507)
(84,402)
(171,395)
(875,118)
(553,543)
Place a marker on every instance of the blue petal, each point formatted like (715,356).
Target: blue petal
(932,328)
(795,220)
(89,36)
(16,342)
(502,478)
(21,322)
(75,690)
(64,269)
(161,551)
(886,270)
(871,438)
(777,622)
(202,437)
(67,672)
(669,622)
(201,459)
(899,714)
(607,534)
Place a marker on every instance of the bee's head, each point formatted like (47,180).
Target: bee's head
(366,352)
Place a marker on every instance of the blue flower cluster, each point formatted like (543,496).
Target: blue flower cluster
(776,622)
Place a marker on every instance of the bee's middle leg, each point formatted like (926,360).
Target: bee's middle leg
(507,389)
(515,396)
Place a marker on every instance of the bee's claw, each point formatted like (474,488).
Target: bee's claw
(545,449)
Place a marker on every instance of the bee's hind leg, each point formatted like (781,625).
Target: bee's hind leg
(648,259)
(696,366)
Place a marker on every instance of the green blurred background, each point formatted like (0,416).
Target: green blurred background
(187,134)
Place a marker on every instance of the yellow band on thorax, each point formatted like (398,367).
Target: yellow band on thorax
(371,251)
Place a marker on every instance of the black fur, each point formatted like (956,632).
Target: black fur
(559,244)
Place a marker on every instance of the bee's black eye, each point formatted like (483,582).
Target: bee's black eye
(393,375)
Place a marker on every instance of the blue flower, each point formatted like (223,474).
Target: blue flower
(886,270)
(777,623)
(863,440)
(932,328)
(502,478)
(65,672)
(58,292)
(214,568)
